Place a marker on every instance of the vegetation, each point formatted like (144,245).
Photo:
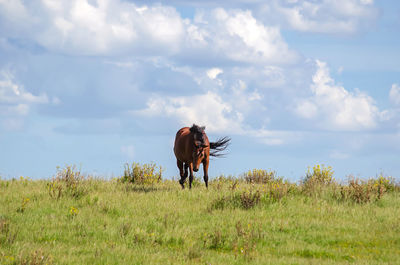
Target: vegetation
(142,174)
(258,218)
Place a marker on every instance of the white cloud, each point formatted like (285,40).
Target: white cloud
(227,113)
(307,109)
(263,77)
(205,109)
(394,94)
(104,27)
(12,93)
(243,98)
(14,110)
(122,64)
(239,36)
(334,107)
(214,72)
(13,12)
(256,36)
(327,16)
(219,117)
(15,102)
(367,2)
(100,27)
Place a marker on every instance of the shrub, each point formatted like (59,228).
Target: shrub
(249,199)
(147,174)
(318,181)
(245,200)
(276,191)
(260,176)
(357,191)
(387,183)
(67,181)
(319,175)
(364,191)
(223,181)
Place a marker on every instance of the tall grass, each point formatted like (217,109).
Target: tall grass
(235,221)
(147,174)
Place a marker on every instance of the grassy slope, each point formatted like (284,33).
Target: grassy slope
(119,224)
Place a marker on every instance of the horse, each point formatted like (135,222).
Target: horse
(192,148)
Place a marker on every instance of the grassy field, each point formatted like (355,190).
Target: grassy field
(257,219)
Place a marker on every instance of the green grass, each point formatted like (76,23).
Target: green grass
(110,222)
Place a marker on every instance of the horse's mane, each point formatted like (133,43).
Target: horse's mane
(216,147)
(199,131)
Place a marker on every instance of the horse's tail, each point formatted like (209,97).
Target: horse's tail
(219,146)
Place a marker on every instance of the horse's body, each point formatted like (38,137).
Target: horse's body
(192,148)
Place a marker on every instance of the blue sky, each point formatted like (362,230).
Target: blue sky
(294,83)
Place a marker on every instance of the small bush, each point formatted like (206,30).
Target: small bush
(357,191)
(387,183)
(55,189)
(319,175)
(245,200)
(67,181)
(249,199)
(222,182)
(147,174)
(317,182)
(362,191)
(260,176)
(222,202)
(277,191)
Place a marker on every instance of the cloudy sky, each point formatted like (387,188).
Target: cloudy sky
(98,83)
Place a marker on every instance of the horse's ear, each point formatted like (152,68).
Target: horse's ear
(192,128)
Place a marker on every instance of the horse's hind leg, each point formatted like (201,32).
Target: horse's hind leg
(182,173)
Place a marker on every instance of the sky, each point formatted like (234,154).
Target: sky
(294,83)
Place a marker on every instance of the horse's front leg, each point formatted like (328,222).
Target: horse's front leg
(190,175)
(205,169)
(182,173)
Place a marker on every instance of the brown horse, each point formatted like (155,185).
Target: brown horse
(192,148)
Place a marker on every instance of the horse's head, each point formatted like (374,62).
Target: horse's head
(200,144)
